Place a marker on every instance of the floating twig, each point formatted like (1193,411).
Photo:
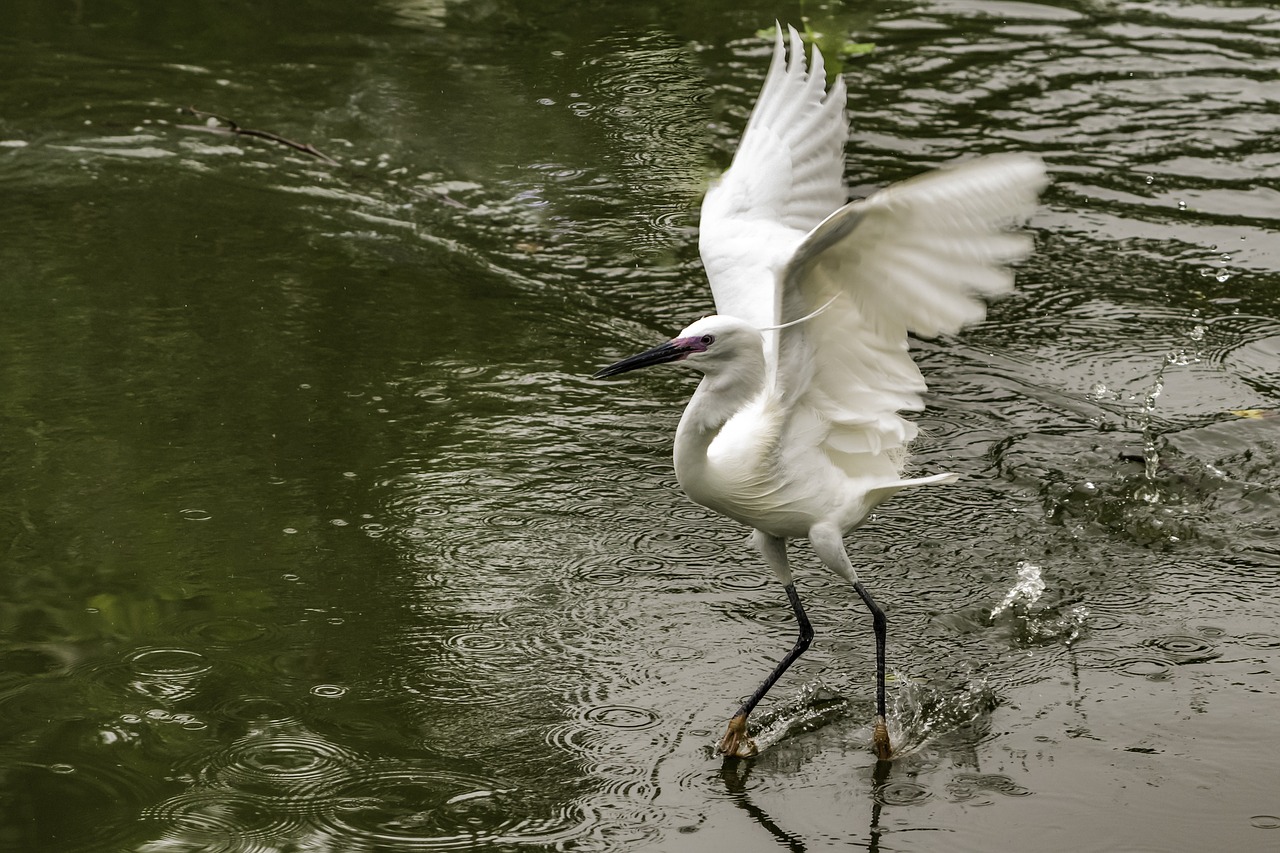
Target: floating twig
(231,127)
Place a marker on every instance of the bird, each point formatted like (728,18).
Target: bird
(796,427)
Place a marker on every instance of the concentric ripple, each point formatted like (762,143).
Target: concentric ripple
(901,792)
(294,768)
(1184,649)
(407,807)
(223,821)
(974,787)
(167,674)
(622,717)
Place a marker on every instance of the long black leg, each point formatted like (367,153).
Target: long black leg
(881,736)
(802,643)
(738,725)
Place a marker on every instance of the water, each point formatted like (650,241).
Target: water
(316,535)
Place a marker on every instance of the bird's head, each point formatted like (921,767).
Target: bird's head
(707,345)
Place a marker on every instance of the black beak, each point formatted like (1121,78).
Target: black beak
(670,351)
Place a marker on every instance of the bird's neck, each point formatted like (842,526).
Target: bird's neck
(720,396)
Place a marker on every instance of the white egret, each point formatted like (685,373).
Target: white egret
(795,428)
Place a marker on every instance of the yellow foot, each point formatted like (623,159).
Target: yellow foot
(735,742)
(879,740)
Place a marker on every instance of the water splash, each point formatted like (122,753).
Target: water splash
(919,711)
(1027,590)
(923,712)
(1032,618)
(810,709)
(1180,356)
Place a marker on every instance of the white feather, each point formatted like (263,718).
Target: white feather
(778,242)
(787,176)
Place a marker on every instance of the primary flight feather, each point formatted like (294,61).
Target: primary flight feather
(796,429)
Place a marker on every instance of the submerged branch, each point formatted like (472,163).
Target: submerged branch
(232,128)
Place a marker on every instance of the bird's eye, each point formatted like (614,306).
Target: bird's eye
(708,340)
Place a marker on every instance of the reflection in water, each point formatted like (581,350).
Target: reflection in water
(734,773)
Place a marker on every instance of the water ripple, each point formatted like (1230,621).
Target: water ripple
(622,717)
(426,808)
(294,763)
(901,792)
(1184,649)
(221,821)
(973,788)
(167,674)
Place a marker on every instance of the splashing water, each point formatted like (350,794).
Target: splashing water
(1027,590)
(1037,622)
(922,712)
(813,707)
(1145,416)
(918,712)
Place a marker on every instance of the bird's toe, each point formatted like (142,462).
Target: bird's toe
(880,740)
(735,743)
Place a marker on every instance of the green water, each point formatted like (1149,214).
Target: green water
(315,533)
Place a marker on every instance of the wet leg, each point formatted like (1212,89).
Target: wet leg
(735,741)
(828,544)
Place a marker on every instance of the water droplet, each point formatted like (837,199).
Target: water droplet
(1182,205)
(1197,333)
(1151,179)
(1100,391)
(1223,275)
(291,530)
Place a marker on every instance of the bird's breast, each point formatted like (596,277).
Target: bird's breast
(739,471)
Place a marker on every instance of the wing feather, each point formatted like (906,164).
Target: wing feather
(919,257)
(786,177)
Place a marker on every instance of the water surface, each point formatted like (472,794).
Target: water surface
(317,535)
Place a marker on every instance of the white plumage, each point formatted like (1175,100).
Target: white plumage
(795,429)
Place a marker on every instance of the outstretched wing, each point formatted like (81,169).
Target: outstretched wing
(786,177)
(918,257)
